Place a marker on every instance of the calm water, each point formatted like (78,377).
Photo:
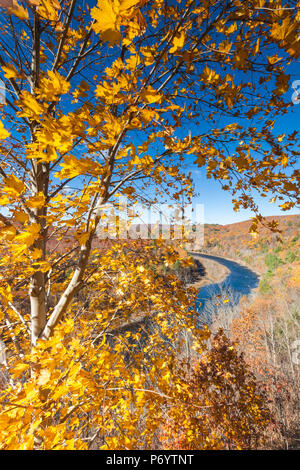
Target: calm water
(240,281)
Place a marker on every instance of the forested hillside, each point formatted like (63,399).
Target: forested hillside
(266,326)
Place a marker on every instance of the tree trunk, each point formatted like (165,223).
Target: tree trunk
(37,306)
(69,293)
(37,290)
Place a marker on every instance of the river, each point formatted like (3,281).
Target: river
(240,281)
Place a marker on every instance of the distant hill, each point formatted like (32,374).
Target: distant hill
(235,241)
(285,222)
(217,238)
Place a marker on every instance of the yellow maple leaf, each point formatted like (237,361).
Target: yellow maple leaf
(83,238)
(53,86)
(47,9)
(50,155)
(209,75)
(30,107)
(36,201)
(13,186)
(150,95)
(178,42)
(27,238)
(19,369)
(9,71)
(148,54)
(3,132)
(36,253)
(18,11)
(109,15)
(21,216)
(106,16)
(42,266)
(232,28)
(73,166)
(8,233)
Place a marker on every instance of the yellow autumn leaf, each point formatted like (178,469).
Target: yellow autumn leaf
(13,186)
(284,160)
(4,200)
(28,237)
(53,86)
(47,9)
(129,190)
(273,59)
(135,160)
(8,233)
(108,15)
(241,57)
(148,54)
(30,107)
(36,201)
(9,71)
(19,368)
(83,238)
(232,28)
(5,292)
(18,11)
(126,5)
(36,253)
(255,49)
(209,75)
(42,266)
(150,95)
(73,166)
(21,216)
(50,155)
(178,42)
(286,206)
(3,132)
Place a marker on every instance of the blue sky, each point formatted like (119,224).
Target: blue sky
(218,207)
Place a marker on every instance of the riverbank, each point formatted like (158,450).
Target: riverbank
(235,260)
(214,272)
(240,281)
